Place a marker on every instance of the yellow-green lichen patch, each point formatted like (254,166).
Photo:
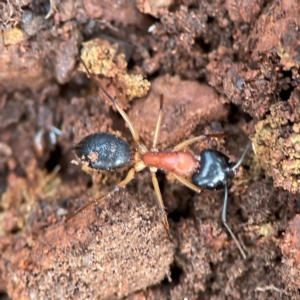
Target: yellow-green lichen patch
(104,58)
(13,36)
(277,143)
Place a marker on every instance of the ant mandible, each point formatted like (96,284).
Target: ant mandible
(211,170)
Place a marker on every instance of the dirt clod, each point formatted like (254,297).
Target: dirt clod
(290,250)
(93,252)
(276,143)
(186,104)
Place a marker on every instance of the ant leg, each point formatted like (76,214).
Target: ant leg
(158,124)
(122,184)
(87,205)
(225,223)
(242,157)
(134,133)
(127,179)
(160,202)
(197,139)
(187,183)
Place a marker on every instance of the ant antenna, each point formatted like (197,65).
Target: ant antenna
(242,157)
(225,223)
(226,201)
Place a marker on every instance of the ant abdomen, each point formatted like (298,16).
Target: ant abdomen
(214,172)
(103,151)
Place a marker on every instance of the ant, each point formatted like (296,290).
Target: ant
(211,170)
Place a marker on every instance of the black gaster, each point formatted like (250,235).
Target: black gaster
(214,172)
(103,151)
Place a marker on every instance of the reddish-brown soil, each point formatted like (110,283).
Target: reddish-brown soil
(228,67)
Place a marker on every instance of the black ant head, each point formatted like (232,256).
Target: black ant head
(215,171)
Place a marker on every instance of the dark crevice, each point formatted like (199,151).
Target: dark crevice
(176,273)
(286,94)
(206,47)
(54,159)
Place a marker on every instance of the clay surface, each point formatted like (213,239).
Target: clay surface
(227,67)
